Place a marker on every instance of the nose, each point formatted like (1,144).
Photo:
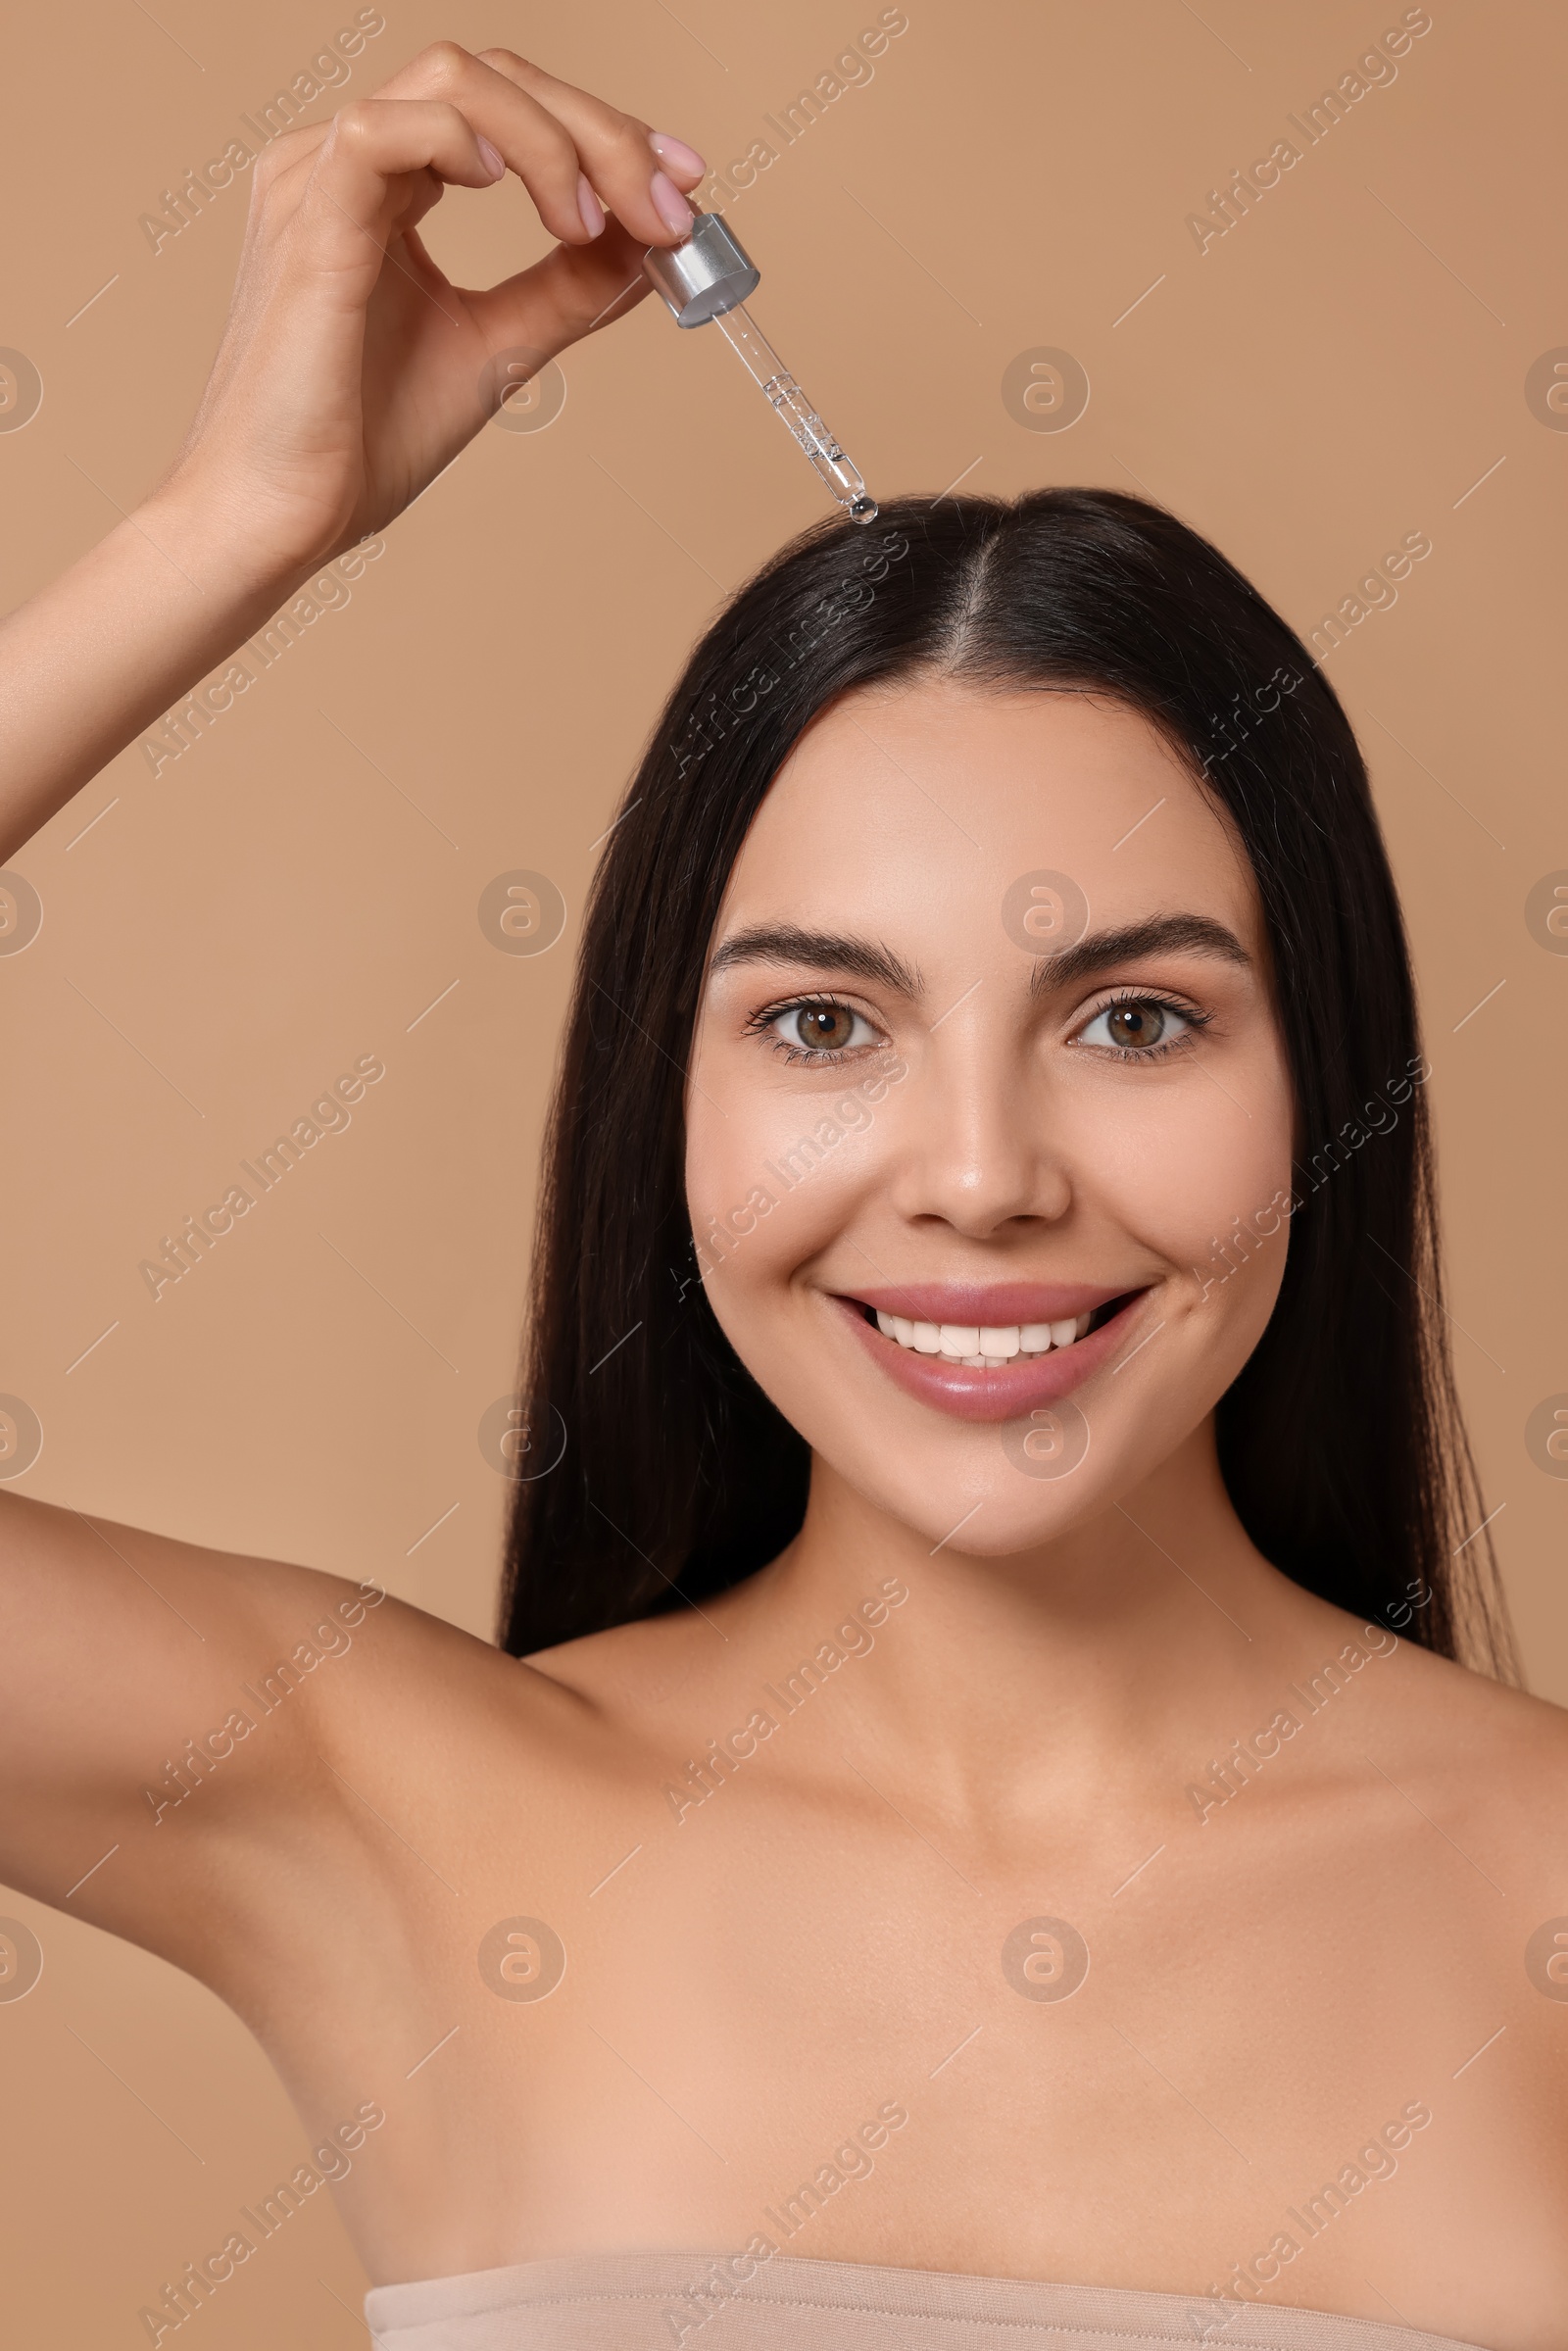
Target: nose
(977,1149)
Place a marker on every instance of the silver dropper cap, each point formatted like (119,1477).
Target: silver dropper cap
(707,277)
(703,276)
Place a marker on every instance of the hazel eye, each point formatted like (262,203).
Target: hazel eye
(822,1028)
(1137,1024)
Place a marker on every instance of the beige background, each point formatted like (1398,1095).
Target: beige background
(300,886)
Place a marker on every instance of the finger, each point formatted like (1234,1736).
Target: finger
(573,153)
(287,148)
(284,168)
(631,177)
(376,140)
(684,164)
(534,142)
(574,292)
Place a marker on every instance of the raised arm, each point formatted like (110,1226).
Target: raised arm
(350,373)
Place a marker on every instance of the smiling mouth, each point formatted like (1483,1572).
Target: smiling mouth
(988,1347)
(993,1371)
(992,1346)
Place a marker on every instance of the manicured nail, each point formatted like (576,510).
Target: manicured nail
(588,203)
(676,152)
(495,163)
(669,203)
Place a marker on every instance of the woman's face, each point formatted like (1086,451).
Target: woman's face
(987,1067)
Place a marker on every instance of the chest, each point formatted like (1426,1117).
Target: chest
(1196,2068)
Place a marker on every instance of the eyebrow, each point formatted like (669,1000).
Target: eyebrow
(821,950)
(828,950)
(1161,934)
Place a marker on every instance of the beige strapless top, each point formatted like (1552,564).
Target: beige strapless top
(672,2302)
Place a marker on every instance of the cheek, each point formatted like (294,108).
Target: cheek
(1214,1201)
(1183,1173)
(1196,1174)
(770,1179)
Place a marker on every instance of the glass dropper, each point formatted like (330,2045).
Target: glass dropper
(709,276)
(841,473)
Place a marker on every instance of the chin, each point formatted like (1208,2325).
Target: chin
(960,1478)
(993,1513)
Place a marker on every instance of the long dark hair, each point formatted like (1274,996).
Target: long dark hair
(1340,1441)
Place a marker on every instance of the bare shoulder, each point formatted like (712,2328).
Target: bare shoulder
(1459,1701)
(1491,1757)
(641,1690)
(646,1663)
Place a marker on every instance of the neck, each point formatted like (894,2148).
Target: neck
(1148,1628)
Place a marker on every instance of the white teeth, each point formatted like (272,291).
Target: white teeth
(988,1347)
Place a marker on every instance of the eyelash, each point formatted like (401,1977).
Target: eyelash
(799,1055)
(1195,1020)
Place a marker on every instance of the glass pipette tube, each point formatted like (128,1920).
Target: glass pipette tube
(761,362)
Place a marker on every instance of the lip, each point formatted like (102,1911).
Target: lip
(1014,1389)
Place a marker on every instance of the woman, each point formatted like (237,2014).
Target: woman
(988,1837)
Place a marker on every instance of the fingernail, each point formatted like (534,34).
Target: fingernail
(669,203)
(588,203)
(675,151)
(495,163)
